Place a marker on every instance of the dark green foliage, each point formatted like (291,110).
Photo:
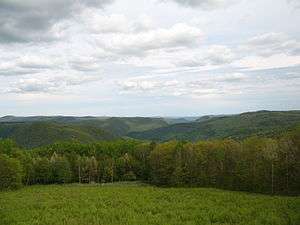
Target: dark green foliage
(39,131)
(44,133)
(61,169)
(10,173)
(262,123)
(42,171)
(118,126)
(122,126)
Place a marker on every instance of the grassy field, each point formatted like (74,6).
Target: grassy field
(143,205)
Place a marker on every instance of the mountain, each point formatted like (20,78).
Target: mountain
(34,134)
(208,117)
(42,130)
(59,119)
(119,126)
(176,120)
(261,123)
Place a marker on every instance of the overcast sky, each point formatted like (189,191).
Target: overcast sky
(148,57)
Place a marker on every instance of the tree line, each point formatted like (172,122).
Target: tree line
(256,164)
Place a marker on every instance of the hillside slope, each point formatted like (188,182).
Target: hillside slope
(43,133)
(121,126)
(118,126)
(261,123)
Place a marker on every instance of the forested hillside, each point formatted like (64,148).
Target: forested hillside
(256,164)
(118,126)
(39,131)
(262,123)
(34,134)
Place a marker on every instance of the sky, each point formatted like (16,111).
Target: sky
(148,57)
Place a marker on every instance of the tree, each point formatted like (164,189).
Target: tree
(125,166)
(26,161)
(60,168)
(10,173)
(42,171)
(162,163)
(7,147)
(93,169)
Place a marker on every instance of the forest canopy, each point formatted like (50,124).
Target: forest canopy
(255,164)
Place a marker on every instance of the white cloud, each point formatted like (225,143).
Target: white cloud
(99,23)
(139,44)
(165,86)
(274,61)
(296,3)
(28,65)
(214,55)
(204,4)
(37,62)
(49,84)
(144,85)
(272,43)
(62,48)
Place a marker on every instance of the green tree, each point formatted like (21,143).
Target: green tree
(42,171)
(10,173)
(60,168)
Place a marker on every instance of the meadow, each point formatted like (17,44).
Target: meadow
(134,203)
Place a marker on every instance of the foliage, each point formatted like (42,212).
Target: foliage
(10,173)
(34,134)
(38,131)
(117,204)
(262,123)
(255,164)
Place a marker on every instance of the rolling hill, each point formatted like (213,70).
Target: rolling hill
(34,134)
(261,123)
(37,131)
(118,126)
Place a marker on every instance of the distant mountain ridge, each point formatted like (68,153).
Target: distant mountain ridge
(42,130)
(117,125)
(261,123)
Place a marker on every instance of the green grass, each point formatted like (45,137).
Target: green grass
(142,205)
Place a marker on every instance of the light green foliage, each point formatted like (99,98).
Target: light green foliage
(136,205)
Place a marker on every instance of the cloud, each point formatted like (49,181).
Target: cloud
(85,64)
(145,85)
(213,56)
(37,62)
(165,86)
(28,64)
(38,20)
(295,3)
(234,77)
(272,43)
(115,23)
(49,84)
(214,84)
(204,4)
(139,44)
